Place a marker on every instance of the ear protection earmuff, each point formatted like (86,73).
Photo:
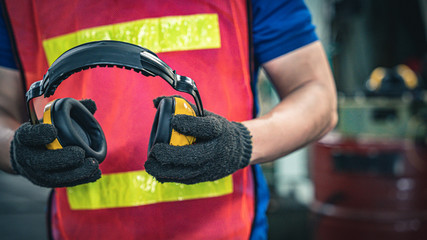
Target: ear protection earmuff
(162,130)
(76,125)
(401,73)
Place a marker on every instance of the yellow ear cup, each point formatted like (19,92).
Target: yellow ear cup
(182,107)
(376,78)
(409,76)
(162,131)
(47,119)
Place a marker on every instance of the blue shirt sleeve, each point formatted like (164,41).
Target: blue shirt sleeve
(6,55)
(279,27)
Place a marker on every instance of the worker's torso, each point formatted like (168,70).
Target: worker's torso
(204,40)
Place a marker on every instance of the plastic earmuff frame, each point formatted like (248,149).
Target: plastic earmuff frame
(106,53)
(75,126)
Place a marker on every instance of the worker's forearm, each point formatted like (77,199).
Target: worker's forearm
(12,112)
(7,130)
(303,116)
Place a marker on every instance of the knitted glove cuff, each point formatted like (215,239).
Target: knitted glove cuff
(12,158)
(246,144)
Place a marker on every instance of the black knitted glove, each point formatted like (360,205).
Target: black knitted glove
(221,148)
(51,168)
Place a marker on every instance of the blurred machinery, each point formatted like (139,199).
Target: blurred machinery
(370,174)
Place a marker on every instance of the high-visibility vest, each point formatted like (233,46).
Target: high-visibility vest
(204,40)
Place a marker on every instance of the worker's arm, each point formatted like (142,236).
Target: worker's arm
(12,112)
(307,110)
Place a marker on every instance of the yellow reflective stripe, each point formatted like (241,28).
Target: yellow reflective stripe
(139,188)
(164,34)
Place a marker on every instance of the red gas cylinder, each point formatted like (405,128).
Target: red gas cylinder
(369,188)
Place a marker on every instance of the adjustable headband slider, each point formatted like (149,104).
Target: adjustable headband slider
(184,84)
(45,80)
(187,85)
(36,90)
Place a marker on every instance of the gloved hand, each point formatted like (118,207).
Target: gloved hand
(221,148)
(51,168)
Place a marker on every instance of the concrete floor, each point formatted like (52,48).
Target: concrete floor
(22,208)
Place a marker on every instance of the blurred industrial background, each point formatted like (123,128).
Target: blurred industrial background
(365,180)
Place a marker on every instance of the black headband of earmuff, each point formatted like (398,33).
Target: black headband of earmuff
(108,54)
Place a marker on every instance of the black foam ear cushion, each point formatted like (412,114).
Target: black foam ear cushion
(162,130)
(76,126)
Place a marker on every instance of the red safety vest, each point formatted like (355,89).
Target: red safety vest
(204,40)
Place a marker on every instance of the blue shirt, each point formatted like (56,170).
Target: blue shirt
(6,55)
(280,27)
